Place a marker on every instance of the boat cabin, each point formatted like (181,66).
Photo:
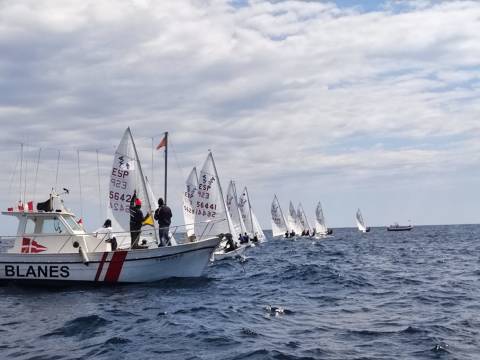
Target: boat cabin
(50,232)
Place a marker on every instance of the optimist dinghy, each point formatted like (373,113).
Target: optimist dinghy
(50,246)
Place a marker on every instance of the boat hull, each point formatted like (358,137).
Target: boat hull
(399,228)
(134,266)
(220,255)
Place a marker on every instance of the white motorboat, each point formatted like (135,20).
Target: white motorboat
(50,246)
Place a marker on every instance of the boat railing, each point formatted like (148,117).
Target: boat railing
(209,224)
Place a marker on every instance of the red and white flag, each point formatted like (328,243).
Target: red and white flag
(30,246)
(162,143)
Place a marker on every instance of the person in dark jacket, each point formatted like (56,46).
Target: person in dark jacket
(136,221)
(163,215)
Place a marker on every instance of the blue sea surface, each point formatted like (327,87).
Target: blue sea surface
(380,295)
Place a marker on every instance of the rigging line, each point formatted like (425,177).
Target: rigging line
(177,163)
(99,186)
(80,184)
(12,176)
(58,166)
(21,169)
(152,183)
(36,174)
(25,183)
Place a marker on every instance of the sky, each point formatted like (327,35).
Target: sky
(358,104)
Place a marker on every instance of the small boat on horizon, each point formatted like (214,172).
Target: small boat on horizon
(397,227)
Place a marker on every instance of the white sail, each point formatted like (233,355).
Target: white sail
(191,187)
(257,229)
(292,219)
(246,211)
(125,178)
(360,222)
(279,224)
(320,227)
(211,214)
(302,218)
(234,210)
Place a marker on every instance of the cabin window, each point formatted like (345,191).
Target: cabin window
(53,226)
(73,224)
(30,226)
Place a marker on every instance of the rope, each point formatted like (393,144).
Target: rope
(12,176)
(80,184)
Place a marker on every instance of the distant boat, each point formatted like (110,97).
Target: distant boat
(321,229)
(397,227)
(293,221)
(361,223)
(279,224)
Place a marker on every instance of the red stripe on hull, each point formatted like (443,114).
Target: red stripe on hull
(115,267)
(100,266)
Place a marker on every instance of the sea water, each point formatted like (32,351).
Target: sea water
(380,295)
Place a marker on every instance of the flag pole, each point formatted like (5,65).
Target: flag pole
(166,162)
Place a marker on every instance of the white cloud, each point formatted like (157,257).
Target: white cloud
(290,91)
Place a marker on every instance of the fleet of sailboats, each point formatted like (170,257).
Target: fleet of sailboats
(217,226)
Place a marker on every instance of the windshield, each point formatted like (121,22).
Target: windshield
(72,223)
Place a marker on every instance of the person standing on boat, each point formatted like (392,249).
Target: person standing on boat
(163,215)
(136,221)
(106,233)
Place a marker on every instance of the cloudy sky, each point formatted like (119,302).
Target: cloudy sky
(370,104)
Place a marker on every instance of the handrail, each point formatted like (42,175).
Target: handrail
(151,227)
(209,226)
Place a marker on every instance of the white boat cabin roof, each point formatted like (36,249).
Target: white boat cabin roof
(46,222)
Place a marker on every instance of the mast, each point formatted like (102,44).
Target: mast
(140,169)
(166,167)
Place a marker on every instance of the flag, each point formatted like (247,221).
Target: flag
(20,206)
(30,205)
(162,143)
(30,246)
(148,220)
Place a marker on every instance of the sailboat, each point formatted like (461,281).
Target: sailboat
(303,221)
(51,246)
(279,224)
(292,221)
(361,223)
(234,210)
(211,210)
(249,218)
(321,229)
